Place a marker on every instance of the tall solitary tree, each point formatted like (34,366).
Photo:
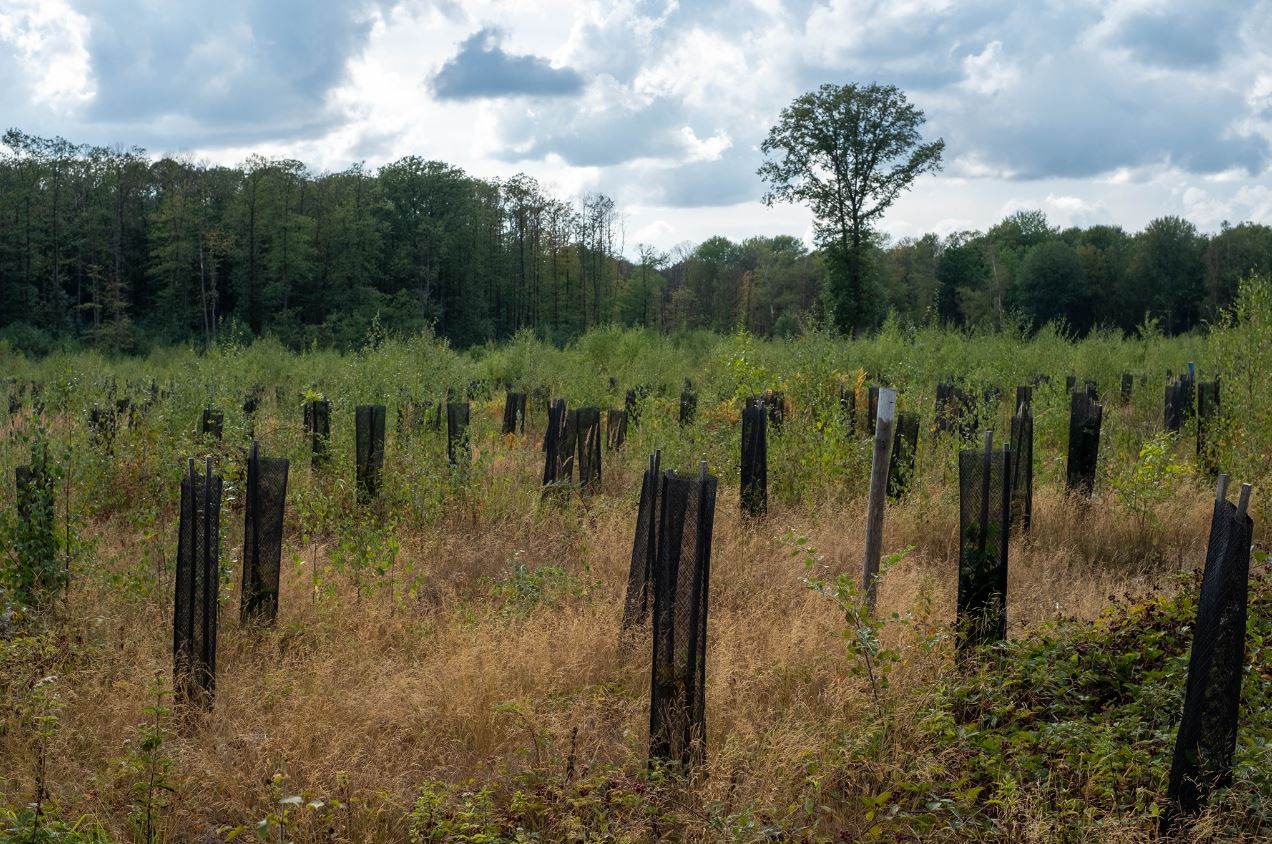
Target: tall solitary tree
(847,151)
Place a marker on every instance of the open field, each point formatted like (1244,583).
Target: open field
(447,662)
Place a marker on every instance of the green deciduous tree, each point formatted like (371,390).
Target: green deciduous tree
(1053,285)
(847,151)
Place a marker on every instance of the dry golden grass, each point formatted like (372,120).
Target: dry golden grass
(363,699)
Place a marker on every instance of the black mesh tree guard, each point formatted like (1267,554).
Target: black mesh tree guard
(1085,417)
(38,574)
(615,429)
(1189,395)
(102,425)
(872,409)
(251,404)
(682,574)
(212,423)
(984,532)
(631,406)
(1207,735)
(1173,405)
(252,401)
(1207,417)
(945,416)
(194,617)
(587,431)
(955,410)
(905,448)
(754,487)
(318,429)
(436,422)
(640,578)
(457,416)
(688,404)
(557,465)
(1022,467)
(369,450)
(776,404)
(514,416)
(848,407)
(570,446)
(263,536)
(1024,398)
(1070,383)
(1091,389)
(1128,387)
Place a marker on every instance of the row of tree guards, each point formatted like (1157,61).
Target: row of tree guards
(570,442)
(995,492)
(670,568)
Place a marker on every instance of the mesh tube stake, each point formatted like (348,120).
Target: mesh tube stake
(556,467)
(587,432)
(318,427)
(514,413)
(196,590)
(848,406)
(640,577)
(1207,736)
(615,429)
(677,722)
(905,447)
(984,533)
(369,445)
(457,416)
(263,537)
(211,423)
(754,491)
(1022,467)
(1085,417)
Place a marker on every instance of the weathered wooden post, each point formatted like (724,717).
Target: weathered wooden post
(885,425)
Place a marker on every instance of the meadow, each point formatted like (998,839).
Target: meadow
(447,664)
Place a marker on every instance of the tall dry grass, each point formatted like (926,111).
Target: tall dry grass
(361,699)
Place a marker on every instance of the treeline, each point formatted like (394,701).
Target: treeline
(111,248)
(1024,271)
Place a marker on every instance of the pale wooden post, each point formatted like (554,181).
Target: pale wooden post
(885,427)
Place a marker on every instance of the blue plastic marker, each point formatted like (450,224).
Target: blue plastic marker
(1192,371)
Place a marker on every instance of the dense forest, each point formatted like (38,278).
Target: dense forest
(110,248)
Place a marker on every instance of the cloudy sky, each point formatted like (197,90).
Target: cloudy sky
(1093,112)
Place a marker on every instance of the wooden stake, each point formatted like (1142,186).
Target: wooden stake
(1244,501)
(885,427)
(1221,493)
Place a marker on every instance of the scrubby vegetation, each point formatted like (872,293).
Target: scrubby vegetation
(447,664)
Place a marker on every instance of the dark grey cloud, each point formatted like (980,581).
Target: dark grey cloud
(1188,34)
(235,71)
(598,137)
(726,180)
(481,69)
(1074,110)
(1068,103)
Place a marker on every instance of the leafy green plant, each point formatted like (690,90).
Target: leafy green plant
(37,571)
(365,552)
(1152,480)
(151,765)
(526,588)
(863,631)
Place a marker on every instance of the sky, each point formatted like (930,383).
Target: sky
(1094,112)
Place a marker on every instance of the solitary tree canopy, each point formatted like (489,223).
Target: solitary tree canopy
(847,152)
